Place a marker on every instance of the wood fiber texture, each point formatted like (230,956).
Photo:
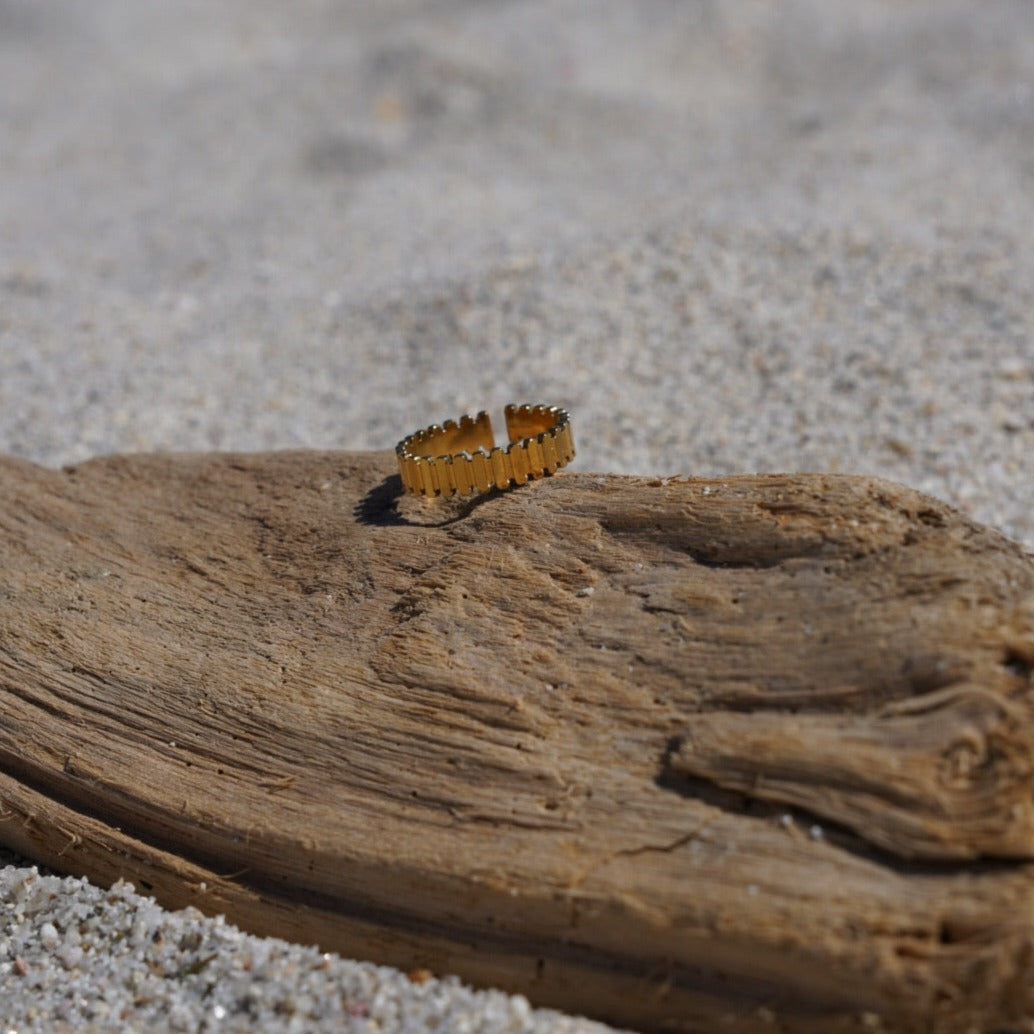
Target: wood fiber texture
(743,754)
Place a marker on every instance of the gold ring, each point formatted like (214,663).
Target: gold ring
(463,457)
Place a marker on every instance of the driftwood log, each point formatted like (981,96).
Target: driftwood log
(695,755)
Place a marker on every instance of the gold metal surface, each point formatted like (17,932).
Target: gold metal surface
(463,457)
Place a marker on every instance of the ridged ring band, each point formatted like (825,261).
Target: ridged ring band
(463,457)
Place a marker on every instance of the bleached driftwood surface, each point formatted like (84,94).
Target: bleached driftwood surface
(680,754)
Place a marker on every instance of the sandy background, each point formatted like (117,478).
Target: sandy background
(730,237)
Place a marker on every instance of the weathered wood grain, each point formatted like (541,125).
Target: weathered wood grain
(675,753)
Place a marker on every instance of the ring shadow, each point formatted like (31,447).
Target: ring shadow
(379,507)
